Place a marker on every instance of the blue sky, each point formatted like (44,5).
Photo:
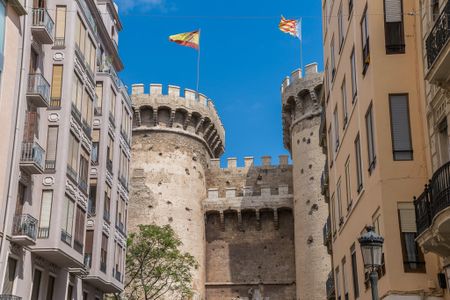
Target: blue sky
(244,58)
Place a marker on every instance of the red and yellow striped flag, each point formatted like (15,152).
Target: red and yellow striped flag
(188,39)
(290,26)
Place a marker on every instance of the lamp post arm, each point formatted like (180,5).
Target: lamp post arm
(374,284)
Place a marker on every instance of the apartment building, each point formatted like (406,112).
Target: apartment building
(374,135)
(67,191)
(432,206)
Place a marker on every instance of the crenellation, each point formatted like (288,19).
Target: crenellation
(173,90)
(137,89)
(248,161)
(266,161)
(230,192)
(232,163)
(155,89)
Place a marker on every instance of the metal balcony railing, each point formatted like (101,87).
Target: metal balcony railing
(434,199)
(330,286)
(439,36)
(25,225)
(66,237)
(41,18)
(43,232)
(32,153)
(9,297)
(76,113)
(39,86)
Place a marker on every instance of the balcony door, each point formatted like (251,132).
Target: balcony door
(33,61)
(10,276)
(444,142)
(20,199)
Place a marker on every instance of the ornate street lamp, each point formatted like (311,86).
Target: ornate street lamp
(372,250)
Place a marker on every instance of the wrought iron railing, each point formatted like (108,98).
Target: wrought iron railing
(43,232)
(9,297)
(66,237)
(330,286)
(38,85)
(32,153)
(42,18)
(439,35)
(25,225)
(434,199)
(76,113)
(59,43)
(72,173)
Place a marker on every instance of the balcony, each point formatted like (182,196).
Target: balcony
(438,50)
(42,26)
(331,295)
(324,180)
(76,113)
(9,297)
(121,228)
(88,260)
(327,235)
(24,230)
(433,213)
(66,237)
(38,90)
(32,158)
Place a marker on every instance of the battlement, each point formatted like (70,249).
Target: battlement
(311,70)
(173,107)
(232,163)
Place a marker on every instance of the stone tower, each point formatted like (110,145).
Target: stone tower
(301,122)
(174,138)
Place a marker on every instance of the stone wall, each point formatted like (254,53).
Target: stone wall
(250,231)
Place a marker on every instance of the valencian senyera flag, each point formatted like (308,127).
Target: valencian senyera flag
(188,39)
(293,27)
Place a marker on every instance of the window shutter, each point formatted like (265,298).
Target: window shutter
(400,123)
(79,229)
(70,211)
(96,135)
(46,206)
(99,93)
(52,141)
(89,241)
(57,82)
(393,10)
(60,22)
(407,217)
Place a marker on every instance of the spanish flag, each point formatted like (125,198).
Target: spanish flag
(292,27)
(188,39)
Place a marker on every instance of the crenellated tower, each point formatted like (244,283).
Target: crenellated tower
(301,123)
(175,136)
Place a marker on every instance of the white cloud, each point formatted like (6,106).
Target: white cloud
(142,5)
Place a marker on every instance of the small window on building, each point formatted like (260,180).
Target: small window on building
(344,103)
(56,89)
(52,145)
(336,129)
(332,60)
(348,189)
(359,174)
(340,28)
(60,26)
(354,272)
(400,127)
(353,73)
(350,8)
(365,41)
(338,287)
(413,259)
(46,209)
(370,138)
(36,284)
(393,27)
(344,278)
(10,276)
(50,287)
(339,202)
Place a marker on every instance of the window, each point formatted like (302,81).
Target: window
(443,142)
(67,224)
(340,28)
(69,292)
(330,146)
(56,89)
(84,170)
(72,163)
(344,102)
(77,94)
(107,203)
(338,287)
(112,108)
(348,189)
(327,82)
(99,102)
(359,175)
(50,287)
(370,138)
(60,26)
(334,214)
(339,202)
(79,230)
(2,33)
(353,71)
(354,272)
(336,129)
(413,259)
(95,146)
(393,27)
(88,248)
(86,112)
(36,284)
(344,278)
(350,8)
(50,153)
(400,127)
(365,41)
(332,60)
(45,215)
(10,276)
(103,253)
(109,153)
(85,296)
(92,201)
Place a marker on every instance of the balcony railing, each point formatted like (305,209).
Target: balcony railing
(434,199)
(327,235)
(32,158)
(330,286)
(72,173)
(25,225)
(42,26)
(9,297)
(439,36)
(38,90)
(66,237)
(76,113)
(43,232)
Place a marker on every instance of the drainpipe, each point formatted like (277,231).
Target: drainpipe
(16,148)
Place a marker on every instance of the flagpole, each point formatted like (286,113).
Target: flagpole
(301,44)
(198,61)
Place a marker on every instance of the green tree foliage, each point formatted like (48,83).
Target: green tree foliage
(155,265)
